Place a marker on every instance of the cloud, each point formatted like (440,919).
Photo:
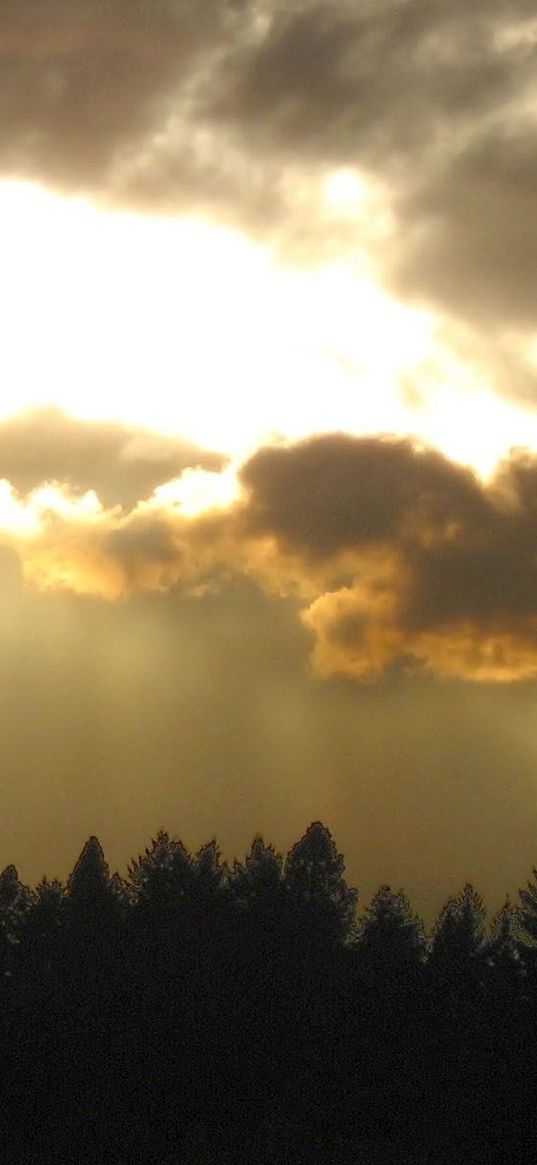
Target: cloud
(243,110)
(121,463)
(418,564)
(71,542)
(435,101)
(469,246)
(334,492)
(85,83)
(396,559)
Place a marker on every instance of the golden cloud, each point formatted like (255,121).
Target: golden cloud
(398,559)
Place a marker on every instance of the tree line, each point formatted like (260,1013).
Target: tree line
(195,1011)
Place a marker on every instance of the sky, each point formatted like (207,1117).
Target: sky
(268,433)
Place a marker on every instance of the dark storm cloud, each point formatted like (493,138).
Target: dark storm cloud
(237,109)
(121,463)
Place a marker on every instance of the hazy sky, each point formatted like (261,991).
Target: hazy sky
(268,432)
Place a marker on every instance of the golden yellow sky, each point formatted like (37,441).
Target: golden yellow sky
(268,432)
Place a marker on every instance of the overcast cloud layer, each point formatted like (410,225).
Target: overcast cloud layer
(240,109)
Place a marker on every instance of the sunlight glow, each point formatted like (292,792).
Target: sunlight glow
(344,188)
(15,518)
(52,500)
(198,490)
(190,329)
(26,517)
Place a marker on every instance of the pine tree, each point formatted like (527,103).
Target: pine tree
(257,882)
(15,901)
(323,905)
(528,912)
(43,926)
(457,969)
(459,936)
(91,890)
(505,947)
(391,941)
(95,910)
(211,874)
(163,877)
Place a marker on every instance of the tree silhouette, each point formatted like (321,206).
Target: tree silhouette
(528,911)
(505,947)
(42,932)
(322,903)
(456,1020)
(95,908)
(459,935)
(508,1016)
(197,1005)
(164,875)
(90,887)
(15,900)
(162,881)
(391,938)
(257,888)
(211,872)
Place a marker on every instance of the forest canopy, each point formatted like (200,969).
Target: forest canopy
(194,1004)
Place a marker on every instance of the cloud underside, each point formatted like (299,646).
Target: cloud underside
(121,463)
(398,560)
(239,109)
